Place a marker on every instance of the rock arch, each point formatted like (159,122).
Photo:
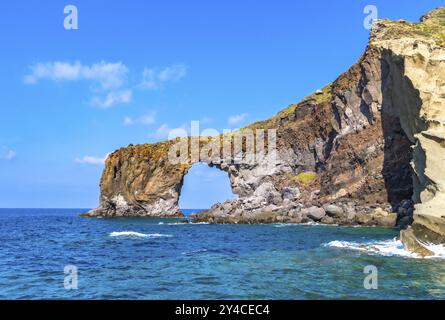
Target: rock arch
(140,180)
(146,180)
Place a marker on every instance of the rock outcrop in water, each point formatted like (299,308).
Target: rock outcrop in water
(366,149)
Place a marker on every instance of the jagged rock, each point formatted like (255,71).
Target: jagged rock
(405,214)
(404,222)
(267,191)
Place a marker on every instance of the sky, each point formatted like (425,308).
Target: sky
(135,69)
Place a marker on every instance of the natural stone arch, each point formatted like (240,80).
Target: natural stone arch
(142,180)
(146,180)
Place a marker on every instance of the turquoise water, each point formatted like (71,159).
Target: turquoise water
(130,258)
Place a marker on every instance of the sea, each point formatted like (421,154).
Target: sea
(56,254)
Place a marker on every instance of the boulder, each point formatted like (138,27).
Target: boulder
(383,218)
(378,217)
(314,213)
(334,211)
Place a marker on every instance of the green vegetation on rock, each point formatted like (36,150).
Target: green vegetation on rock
(432,27)
(305,177)
(323,96)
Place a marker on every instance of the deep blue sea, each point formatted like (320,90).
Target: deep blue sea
(134,258)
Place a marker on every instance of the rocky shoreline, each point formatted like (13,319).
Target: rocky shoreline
(344,214)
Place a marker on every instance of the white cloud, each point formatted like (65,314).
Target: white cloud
(91,160)
(107,75)
(108,79)
(237,119)
(153,79)
(7,154)
(128,121)
(165,132)
(112,98)
(173,73)
(147,119)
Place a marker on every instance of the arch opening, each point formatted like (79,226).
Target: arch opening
(203,186)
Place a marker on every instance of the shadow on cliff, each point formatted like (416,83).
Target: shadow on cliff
(399,99)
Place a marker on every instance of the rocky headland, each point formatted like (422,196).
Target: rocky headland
(367,149)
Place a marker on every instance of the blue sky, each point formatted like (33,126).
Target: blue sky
(135,69)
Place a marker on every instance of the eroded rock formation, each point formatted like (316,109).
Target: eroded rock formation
(362,150)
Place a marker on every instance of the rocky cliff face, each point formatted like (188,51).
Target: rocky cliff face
(140,181)
(416,94)
(366,149)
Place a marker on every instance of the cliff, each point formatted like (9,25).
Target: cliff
(367,149)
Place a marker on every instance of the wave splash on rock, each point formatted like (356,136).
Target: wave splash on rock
(392,247)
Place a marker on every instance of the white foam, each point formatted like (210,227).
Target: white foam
(437,249)
(185,223)
(138,234)
(392,247)
(312,223)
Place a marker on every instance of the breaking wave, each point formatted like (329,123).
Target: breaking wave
(138,234)
(392,247)
(185,223)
